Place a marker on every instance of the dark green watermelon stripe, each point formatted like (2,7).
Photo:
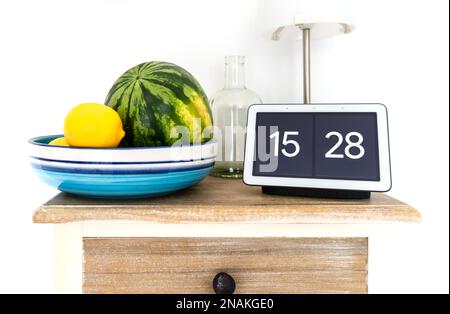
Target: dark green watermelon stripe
(166,102)
(180,93)
(174,80)
(140,67)
(152,66)
(149,98)
(117,87)
(176,89)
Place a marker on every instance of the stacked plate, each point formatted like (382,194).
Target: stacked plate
(121,172)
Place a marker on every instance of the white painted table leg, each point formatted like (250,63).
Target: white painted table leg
(68,258)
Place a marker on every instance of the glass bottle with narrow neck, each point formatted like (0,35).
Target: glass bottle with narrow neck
(229,108)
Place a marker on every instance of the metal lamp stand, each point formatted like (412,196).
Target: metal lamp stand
(306,31)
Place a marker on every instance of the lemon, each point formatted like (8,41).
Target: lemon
(93,125)
(60,141)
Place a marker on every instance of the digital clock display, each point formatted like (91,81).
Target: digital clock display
(322,145)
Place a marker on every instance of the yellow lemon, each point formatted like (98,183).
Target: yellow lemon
(60,141)
(93,125)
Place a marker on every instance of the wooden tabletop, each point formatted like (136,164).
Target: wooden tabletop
(216,200)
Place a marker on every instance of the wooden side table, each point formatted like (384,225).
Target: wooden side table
(178,243)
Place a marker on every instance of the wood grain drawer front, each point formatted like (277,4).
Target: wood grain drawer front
(258,265)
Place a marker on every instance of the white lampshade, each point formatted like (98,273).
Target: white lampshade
(280,19)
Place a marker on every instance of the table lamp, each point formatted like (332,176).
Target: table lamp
(306,19)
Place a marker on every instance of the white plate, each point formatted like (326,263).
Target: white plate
(40,149)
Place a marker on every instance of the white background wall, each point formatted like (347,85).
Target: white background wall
(55,54)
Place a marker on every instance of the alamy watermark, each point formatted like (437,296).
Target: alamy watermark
(230,137)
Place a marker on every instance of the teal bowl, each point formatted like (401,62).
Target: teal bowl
(121,172)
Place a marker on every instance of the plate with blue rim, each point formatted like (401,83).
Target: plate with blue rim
(135,172)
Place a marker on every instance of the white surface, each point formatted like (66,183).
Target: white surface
(56,54)
(383,185)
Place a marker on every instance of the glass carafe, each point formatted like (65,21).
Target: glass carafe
(229,107)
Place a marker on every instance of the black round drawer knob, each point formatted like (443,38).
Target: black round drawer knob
(223,284)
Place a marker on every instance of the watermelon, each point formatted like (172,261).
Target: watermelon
(153,98)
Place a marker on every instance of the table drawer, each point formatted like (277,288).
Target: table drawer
(257,265)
